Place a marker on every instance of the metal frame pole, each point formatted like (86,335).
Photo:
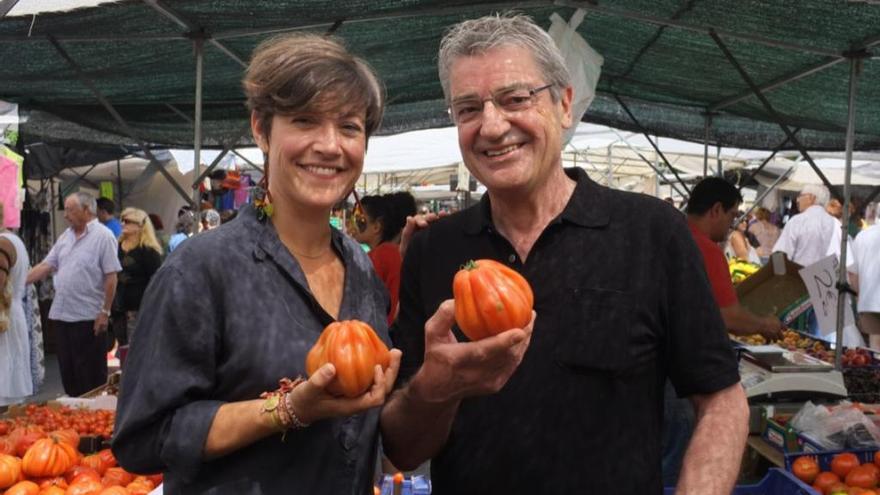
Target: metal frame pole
(844,236)
(6,6)
(766,161)
(708,124)
(198,45)
(126,129)
(648,137)
(764,194)
(770,110)
(655,168)
(119,181)
(718,161)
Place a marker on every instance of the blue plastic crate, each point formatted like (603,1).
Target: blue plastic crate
(777,482)
(824,458)
(412,485)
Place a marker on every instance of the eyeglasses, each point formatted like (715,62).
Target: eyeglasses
(129,221)
(508,101)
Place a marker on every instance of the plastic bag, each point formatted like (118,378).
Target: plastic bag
(583,62)
(844,427)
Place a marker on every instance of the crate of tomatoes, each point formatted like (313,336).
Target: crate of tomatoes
(832,473)
(777,482)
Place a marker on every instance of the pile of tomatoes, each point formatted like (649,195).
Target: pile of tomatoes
(847,475)
(83,421)
(33,462)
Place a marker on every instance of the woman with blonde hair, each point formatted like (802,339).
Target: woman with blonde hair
(140,255)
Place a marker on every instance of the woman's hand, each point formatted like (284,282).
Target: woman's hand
(311,401)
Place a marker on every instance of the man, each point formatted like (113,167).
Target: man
(712,209)
(84,262)
(865,277)
(571,403)
(812,234)
(106,210)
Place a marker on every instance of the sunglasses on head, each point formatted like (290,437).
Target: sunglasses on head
(130,221)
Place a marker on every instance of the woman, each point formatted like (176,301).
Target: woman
(378,228)
(237,308)
(140,256)
(766,233)
(739,246)
(15,351)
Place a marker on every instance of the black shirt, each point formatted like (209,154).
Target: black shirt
(227,316)
(138,267)
(622,303)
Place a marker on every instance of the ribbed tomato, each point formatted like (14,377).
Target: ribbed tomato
(68,436)
(355,350)
(85,486)
(861,477)
(490,298)
(53,490)
(95,462)
(10,470)
(116,476)
(48,457)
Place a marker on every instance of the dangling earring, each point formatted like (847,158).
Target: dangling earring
(263,201)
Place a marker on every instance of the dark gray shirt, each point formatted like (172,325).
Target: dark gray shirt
(226,316)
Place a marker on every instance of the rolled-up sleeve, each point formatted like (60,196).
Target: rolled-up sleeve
(165,408)
(109,256)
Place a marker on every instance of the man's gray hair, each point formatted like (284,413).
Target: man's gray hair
(87,201)
(477,36)
(820,192)
(211,217)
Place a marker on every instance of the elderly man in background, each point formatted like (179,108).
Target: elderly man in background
(865,278)
(812,234)
(622,303)
(84,262)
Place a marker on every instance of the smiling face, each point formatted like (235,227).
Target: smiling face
(314,157)
(509,151)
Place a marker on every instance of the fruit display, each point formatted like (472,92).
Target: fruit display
(862,383)
(354,349)
(858,358)
(96,422)
(845,474)
(490,298)
(741,270)
(792,341)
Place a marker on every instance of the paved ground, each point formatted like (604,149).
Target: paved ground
(52,388)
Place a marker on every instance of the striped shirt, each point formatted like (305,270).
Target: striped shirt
(80,266)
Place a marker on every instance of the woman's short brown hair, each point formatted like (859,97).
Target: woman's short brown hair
(307,72)
(762,214)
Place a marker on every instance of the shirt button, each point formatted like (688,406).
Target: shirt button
(511,258)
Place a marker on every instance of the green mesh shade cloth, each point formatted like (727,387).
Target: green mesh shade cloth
(659,60)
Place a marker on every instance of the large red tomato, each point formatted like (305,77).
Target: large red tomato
(490,298)
(842,464)
(824,481)
(95,462)
(355,350)
(116,476)
(805,468)
(10,470)
(23,488)
(861,477)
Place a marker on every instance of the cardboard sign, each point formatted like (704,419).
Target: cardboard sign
(821,281)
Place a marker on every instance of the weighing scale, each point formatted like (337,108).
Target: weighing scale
(771,372)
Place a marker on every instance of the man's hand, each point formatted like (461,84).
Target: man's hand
(454,370)
(413,224)
(312,402)
(101,322)
(771,328)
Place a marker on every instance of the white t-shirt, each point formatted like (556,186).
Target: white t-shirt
(867,267)
(811,236)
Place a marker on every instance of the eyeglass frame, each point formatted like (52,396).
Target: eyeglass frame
(533,93)
(132,222)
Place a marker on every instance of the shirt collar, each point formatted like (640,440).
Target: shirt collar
(266,240)
(587,207)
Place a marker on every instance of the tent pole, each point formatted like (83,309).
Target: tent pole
(198,45)
(770,110)
(718,159)
(653,167)
(708,124)
(119,182)
(126,129)
(79,178)
(842,286)
(648,137)
(252,164)
(766,161)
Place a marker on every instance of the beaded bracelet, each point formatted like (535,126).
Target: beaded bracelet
(277,404)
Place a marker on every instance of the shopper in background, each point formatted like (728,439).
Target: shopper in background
(15,350)
(140,256)
(379,228)
(865,277)
(574,406)
(739,243)
(84,262)
(183,229)
(812,234)
(237,308)
(106,212)
(210,220)
(766,232)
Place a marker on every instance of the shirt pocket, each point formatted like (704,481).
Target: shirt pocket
(594,331)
